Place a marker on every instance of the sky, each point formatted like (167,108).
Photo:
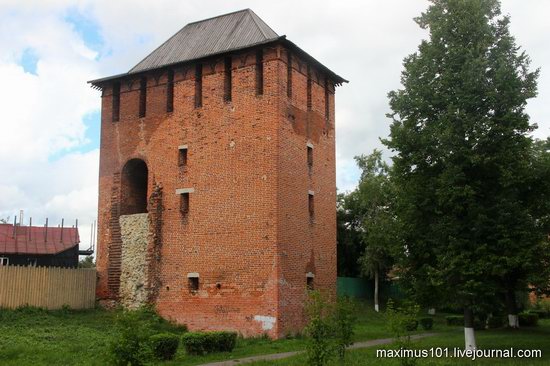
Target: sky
(49,49)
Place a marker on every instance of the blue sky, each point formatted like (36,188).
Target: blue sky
(90,32)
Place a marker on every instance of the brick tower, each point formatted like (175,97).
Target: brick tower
(217,190)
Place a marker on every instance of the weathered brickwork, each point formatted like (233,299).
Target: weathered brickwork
(248,233)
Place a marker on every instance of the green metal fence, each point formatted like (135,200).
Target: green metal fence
(362,288)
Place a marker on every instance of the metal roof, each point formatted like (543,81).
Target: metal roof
(209,37)
(224,33)
(36,239)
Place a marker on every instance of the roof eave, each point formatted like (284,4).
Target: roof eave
(96,82)
(336,78)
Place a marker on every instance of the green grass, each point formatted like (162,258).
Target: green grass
(449,337)
(36,337)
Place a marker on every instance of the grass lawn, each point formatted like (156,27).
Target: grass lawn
(34,337)
(449,337)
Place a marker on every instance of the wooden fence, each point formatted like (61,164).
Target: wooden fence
(47,287)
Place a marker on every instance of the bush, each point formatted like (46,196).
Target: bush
(480,324)
(528,319)
(164,345)
(454,320)
(495,322)
(131,345)
(319,330)
(344,319)
(541,313)
(401,321)
(201,343)
(426,323)
(411,325)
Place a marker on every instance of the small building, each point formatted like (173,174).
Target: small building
(38,246)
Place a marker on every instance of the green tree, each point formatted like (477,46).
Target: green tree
(349,246)
(87,262)
(539,204)
(461,137)
(378,226)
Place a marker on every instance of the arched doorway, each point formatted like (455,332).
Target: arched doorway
(134,179)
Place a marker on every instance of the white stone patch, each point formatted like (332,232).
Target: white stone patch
(267,321)
(134,231)
(431,311)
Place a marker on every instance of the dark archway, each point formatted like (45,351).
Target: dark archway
(134,179)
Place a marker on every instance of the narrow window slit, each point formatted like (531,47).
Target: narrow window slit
(289,74)
(198,86)
(309,283)
(116,102)
(182,156)
(311,206)
(310,156)
(327,100)
(227,79)
(184,203)
(259,72)
(309,103)
(142,96)
(170,92)
(193,282)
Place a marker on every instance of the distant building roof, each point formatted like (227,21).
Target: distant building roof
(33,240)
(225,33)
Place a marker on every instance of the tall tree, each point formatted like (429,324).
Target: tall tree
(378,227)
(348,236)
(461,137)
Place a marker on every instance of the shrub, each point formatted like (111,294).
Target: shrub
(201,343)
(426,323)
(344,318)
(164,345)
(131,345)
(528,319)
(480,324)
(157,323)
(401,320)
(541,313)
(411,325)
(454,320)
(319,330)
(495,322)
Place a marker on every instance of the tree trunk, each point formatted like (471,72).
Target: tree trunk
(513,321)
(469,334)
(376,306)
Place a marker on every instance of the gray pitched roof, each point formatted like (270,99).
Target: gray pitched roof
(208,37)
(218,35)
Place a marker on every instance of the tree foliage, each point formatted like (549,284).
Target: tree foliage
(463,153)
(373,200)
(86,262)
(349,237)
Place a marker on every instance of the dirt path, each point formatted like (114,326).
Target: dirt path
(278,356)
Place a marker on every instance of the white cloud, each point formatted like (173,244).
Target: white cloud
(42,118)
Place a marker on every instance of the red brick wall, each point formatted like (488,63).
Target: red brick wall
(305,245)
(248,232)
